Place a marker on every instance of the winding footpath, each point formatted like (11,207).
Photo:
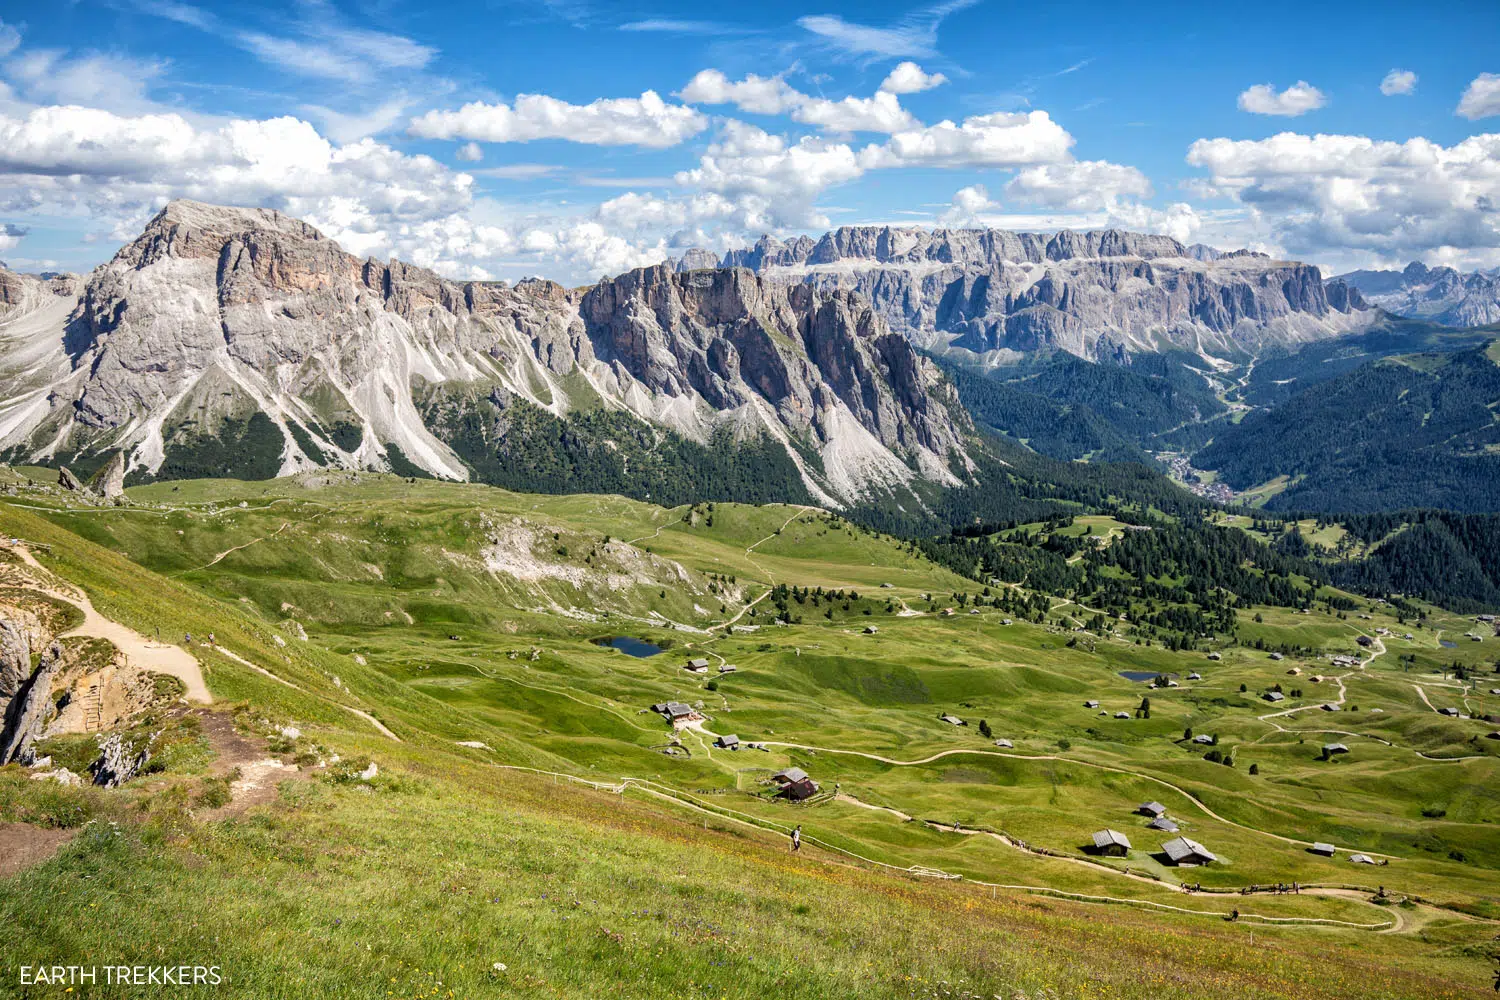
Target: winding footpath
(139,651)
(1203,806)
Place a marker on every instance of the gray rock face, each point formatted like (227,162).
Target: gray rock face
(1092,294)
(67,480)
(816,357)
(30,708)
(217,317)
(109,481)
(1437,294)
(15,660)
(696,259)
(119,761)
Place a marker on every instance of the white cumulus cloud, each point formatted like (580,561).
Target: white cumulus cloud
(774,96)
(1321,193)
(1298,99)
(908,78)
(881,113)
(997,140)
(623,121)
(1083,185)
(1398,81)
(1482,97)
(758,95)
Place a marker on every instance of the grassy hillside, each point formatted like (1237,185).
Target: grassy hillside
(467,615)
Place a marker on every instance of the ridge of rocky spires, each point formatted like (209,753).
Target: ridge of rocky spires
(236,319)
(721,335)
(1442,295)
(1097,293)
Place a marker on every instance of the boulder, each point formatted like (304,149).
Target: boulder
(109,481)
(67,480)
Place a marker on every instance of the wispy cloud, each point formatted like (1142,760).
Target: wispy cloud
(676,26)
(318,44)
(914,35)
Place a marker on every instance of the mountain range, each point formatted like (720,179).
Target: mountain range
(241,342)
(871,367)
(1000,296)
(1438,294)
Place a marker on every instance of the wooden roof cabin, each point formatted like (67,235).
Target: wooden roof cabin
(1111,843)
(952,720)
(728,668)
(789,774)
(730,742)
(1163,824)
(1151,809)
(1327,850)
(799,790)
(1184,851)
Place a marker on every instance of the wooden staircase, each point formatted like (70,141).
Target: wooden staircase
(93,708)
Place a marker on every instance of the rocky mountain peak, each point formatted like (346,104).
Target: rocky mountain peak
(1438,294)
(242,341)
(1097,293)
(226,220)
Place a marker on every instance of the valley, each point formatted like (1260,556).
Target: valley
(462,620)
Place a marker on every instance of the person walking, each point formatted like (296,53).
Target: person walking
(797,838)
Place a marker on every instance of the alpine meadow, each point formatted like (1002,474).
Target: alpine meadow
(559,500)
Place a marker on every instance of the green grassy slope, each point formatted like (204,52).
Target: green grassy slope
(426,606)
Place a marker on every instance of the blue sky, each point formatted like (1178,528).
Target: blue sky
(575,139)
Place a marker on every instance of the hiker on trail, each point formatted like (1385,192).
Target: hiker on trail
(1234,914)
(797,838)
(187,638)
(211,640)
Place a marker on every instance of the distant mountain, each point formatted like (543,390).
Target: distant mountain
(1106,294)
(1437,294)
(241,342)
(1415,430)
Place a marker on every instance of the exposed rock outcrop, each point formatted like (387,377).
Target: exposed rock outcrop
(1438,294)
(15,659)
(229,341)
(109,481)
(1094,294)
(120,760)
(30,707)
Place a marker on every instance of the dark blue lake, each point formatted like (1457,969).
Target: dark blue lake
(1142,675)
(1447,643)
(628,645)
